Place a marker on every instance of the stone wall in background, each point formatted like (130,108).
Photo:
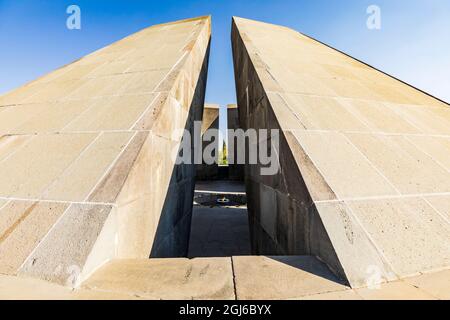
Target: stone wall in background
(210,120)
(235,170)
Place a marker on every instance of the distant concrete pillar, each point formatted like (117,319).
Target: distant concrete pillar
(235,170)
(210,120)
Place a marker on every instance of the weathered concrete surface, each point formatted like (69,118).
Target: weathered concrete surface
(210,121)
(365,178)
(302,278)
(86,156)
(210,278)
(270,278)
(235,170)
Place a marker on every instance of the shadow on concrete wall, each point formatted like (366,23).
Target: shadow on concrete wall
(173,231)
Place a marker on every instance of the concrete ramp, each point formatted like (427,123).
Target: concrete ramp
(86,156)
(365,158)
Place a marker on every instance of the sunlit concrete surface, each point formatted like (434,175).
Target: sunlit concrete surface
(91,201)
(254,278)
(86,156)
(365,159)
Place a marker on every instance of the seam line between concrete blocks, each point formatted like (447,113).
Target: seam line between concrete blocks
(145,111)
(437,211)
(111,166)
(372,241)
(317,168)
(17,150)
(71,165)
(371,164)
(427,154)
(386,197)
(57,201)
(234,278)
(290,109)
(43,238)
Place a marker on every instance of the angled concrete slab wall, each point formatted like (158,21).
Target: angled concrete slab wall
(86,155)
(365,179)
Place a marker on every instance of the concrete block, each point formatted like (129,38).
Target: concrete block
(435,284)
(210,278)
(413,237)
(267,278)
(24,226)
(61,256)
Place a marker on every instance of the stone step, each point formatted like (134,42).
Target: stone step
(249,277)
(178,278)
(245,277)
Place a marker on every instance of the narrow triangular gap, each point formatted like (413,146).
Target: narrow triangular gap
(220,226)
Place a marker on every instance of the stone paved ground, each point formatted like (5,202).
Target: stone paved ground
(218,231)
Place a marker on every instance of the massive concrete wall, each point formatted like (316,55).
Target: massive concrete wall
(365,174)
(86,155)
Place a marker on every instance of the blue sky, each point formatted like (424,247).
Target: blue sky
(413,44)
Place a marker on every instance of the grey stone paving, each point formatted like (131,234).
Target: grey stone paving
(219,231)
